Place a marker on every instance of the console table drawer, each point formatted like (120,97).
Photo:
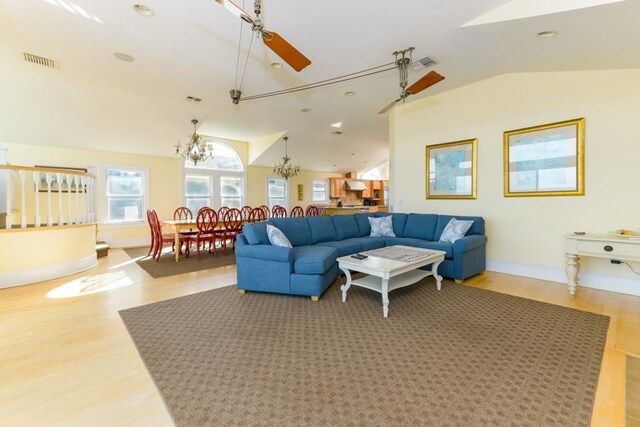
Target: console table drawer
(610,249)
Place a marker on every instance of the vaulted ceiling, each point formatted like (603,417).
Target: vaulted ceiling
(190,48)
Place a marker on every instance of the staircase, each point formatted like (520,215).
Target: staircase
(102,249)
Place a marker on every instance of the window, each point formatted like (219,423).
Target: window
(277,191)
(216,182)
(320,189)
(125,193)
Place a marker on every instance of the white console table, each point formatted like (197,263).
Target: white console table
(609,246)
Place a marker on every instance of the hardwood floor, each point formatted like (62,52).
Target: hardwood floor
(66,359)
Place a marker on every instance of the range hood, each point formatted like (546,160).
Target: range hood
(356,185)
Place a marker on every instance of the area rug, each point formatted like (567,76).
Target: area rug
(167,265)
(459,357)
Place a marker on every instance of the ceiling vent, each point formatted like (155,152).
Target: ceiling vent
(423,63)
(39,60)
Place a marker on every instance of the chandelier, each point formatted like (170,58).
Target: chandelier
(197,149)
(286,169)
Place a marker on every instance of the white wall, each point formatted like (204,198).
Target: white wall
(526,233)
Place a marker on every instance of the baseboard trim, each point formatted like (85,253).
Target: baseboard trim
(605,282)
(25,277)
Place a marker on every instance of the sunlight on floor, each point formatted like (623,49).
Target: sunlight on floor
(131,261)
(90,285)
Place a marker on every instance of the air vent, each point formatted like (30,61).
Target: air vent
(45,62)
(423,63)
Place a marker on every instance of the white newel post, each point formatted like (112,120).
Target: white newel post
(59,178)
(49,211)
(36,180)
(78,213)
(69,199)
(5,183)
(90,198)
(8,188)
(23,200)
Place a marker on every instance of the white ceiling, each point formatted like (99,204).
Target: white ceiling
(189,47)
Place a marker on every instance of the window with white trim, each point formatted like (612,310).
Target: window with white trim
(276,191)
(126,194)
(320,190)
(216,182)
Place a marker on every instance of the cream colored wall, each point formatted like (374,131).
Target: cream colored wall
(526,233)
(257,188)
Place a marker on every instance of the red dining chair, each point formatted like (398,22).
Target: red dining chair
(256,215)
(232,227)
(222,212)
(206,221)
(312,211)
(245,211)
(184,213)
(296,212)
(279,212)
(163,239)
(152,232)
(266,210)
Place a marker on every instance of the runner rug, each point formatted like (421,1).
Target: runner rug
(167,265)
(459,357)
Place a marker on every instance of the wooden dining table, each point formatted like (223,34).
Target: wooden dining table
(180,225)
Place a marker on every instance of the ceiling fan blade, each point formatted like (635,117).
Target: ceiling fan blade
(389,107)
(236,10)
(429,79)
(284,50)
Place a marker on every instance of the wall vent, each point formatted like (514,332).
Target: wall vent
(423,63)
(39,60)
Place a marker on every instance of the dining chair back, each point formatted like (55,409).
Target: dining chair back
(232,227)
(279,212)
(206,221)
(182,213)
(296,212)
(245,211)
(222,212)
(256,215)
(312,210)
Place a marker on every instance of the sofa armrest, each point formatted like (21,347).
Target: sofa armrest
(468,243)
(268,252)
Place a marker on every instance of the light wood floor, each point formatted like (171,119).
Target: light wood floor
(68,361)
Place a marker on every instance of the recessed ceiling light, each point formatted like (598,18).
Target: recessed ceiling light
(349,93)
(124,57)
(143,10)
(276,65)
(546,34)
(336,132)
(334,165)
(336,125)
(353,154)
(305,110)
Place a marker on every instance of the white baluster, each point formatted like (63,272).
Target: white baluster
(60,193)
(9,191)
(92,200)
(36,180)
(23,200)
(78,213)
(85,200)
(49,178)
(69,199)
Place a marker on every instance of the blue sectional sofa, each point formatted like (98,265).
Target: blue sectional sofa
(310,266)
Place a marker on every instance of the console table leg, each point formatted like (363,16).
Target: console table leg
(385,297)
(572,267)
(344,288)
(434,271)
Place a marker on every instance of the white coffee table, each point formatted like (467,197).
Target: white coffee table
(385,275)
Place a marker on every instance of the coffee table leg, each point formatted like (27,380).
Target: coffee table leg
(434,271)
(347,285)
(385,297)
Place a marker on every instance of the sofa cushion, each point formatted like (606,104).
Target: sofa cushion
(344,247)
(256,233)
(296,229)
(381,227)
(363,223)
(370,243)
(322,229)
(476,228)
(346,226)
(455,230)
(399,221)
(277,237)
(420,226)
(313,259)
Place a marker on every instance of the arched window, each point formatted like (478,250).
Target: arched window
(216,182)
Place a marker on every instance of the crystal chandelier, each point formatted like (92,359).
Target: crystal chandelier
(286,169)
(197,149)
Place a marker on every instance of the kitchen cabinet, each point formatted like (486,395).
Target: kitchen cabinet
(337,187)
(368,192)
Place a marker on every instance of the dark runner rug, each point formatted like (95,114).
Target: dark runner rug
(459,357)
(167,265)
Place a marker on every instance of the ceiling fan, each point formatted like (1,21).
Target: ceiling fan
(403,60)
(273,40)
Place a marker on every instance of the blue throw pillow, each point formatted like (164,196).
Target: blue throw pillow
(382,226)
(277,237)
(455,230)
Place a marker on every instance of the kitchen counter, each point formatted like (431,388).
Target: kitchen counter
(346,210)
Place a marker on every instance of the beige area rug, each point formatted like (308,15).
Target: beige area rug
(459,357)
(167,265)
